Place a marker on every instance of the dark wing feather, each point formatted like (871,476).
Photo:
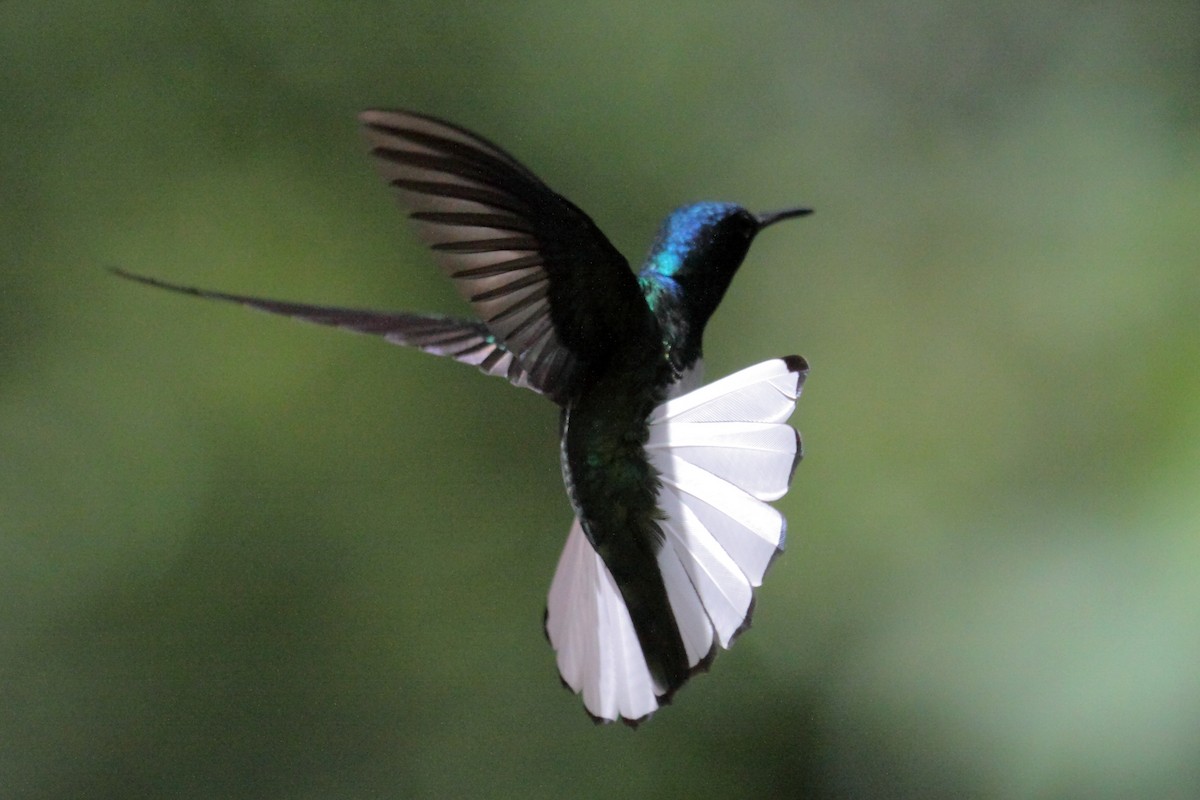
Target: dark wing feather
(539,273)
(468,341)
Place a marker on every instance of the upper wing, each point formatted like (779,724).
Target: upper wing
(537,270)
(464,340)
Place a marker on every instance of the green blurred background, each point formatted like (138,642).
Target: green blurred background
(246,558)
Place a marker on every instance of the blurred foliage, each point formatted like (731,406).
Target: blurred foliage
(244,558)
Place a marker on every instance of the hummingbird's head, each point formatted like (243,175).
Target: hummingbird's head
(700,247)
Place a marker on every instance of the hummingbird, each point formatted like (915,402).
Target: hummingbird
(669,480)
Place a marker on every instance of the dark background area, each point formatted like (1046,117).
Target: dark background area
(246,558)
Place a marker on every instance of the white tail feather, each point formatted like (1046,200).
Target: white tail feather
(766,392)
(721,450)
(749,530)
(590,628)
(756,456)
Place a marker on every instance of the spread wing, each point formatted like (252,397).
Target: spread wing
(543,279)
(464,340)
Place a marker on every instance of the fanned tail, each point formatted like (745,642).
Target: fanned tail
(723,451)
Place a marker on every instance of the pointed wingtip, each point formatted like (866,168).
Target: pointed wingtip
(392,117)
(371,116)
(146,280)
(126,274)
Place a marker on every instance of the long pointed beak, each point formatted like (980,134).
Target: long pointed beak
(771,217)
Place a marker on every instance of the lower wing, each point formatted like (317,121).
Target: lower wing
(468,341)
(723,451)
